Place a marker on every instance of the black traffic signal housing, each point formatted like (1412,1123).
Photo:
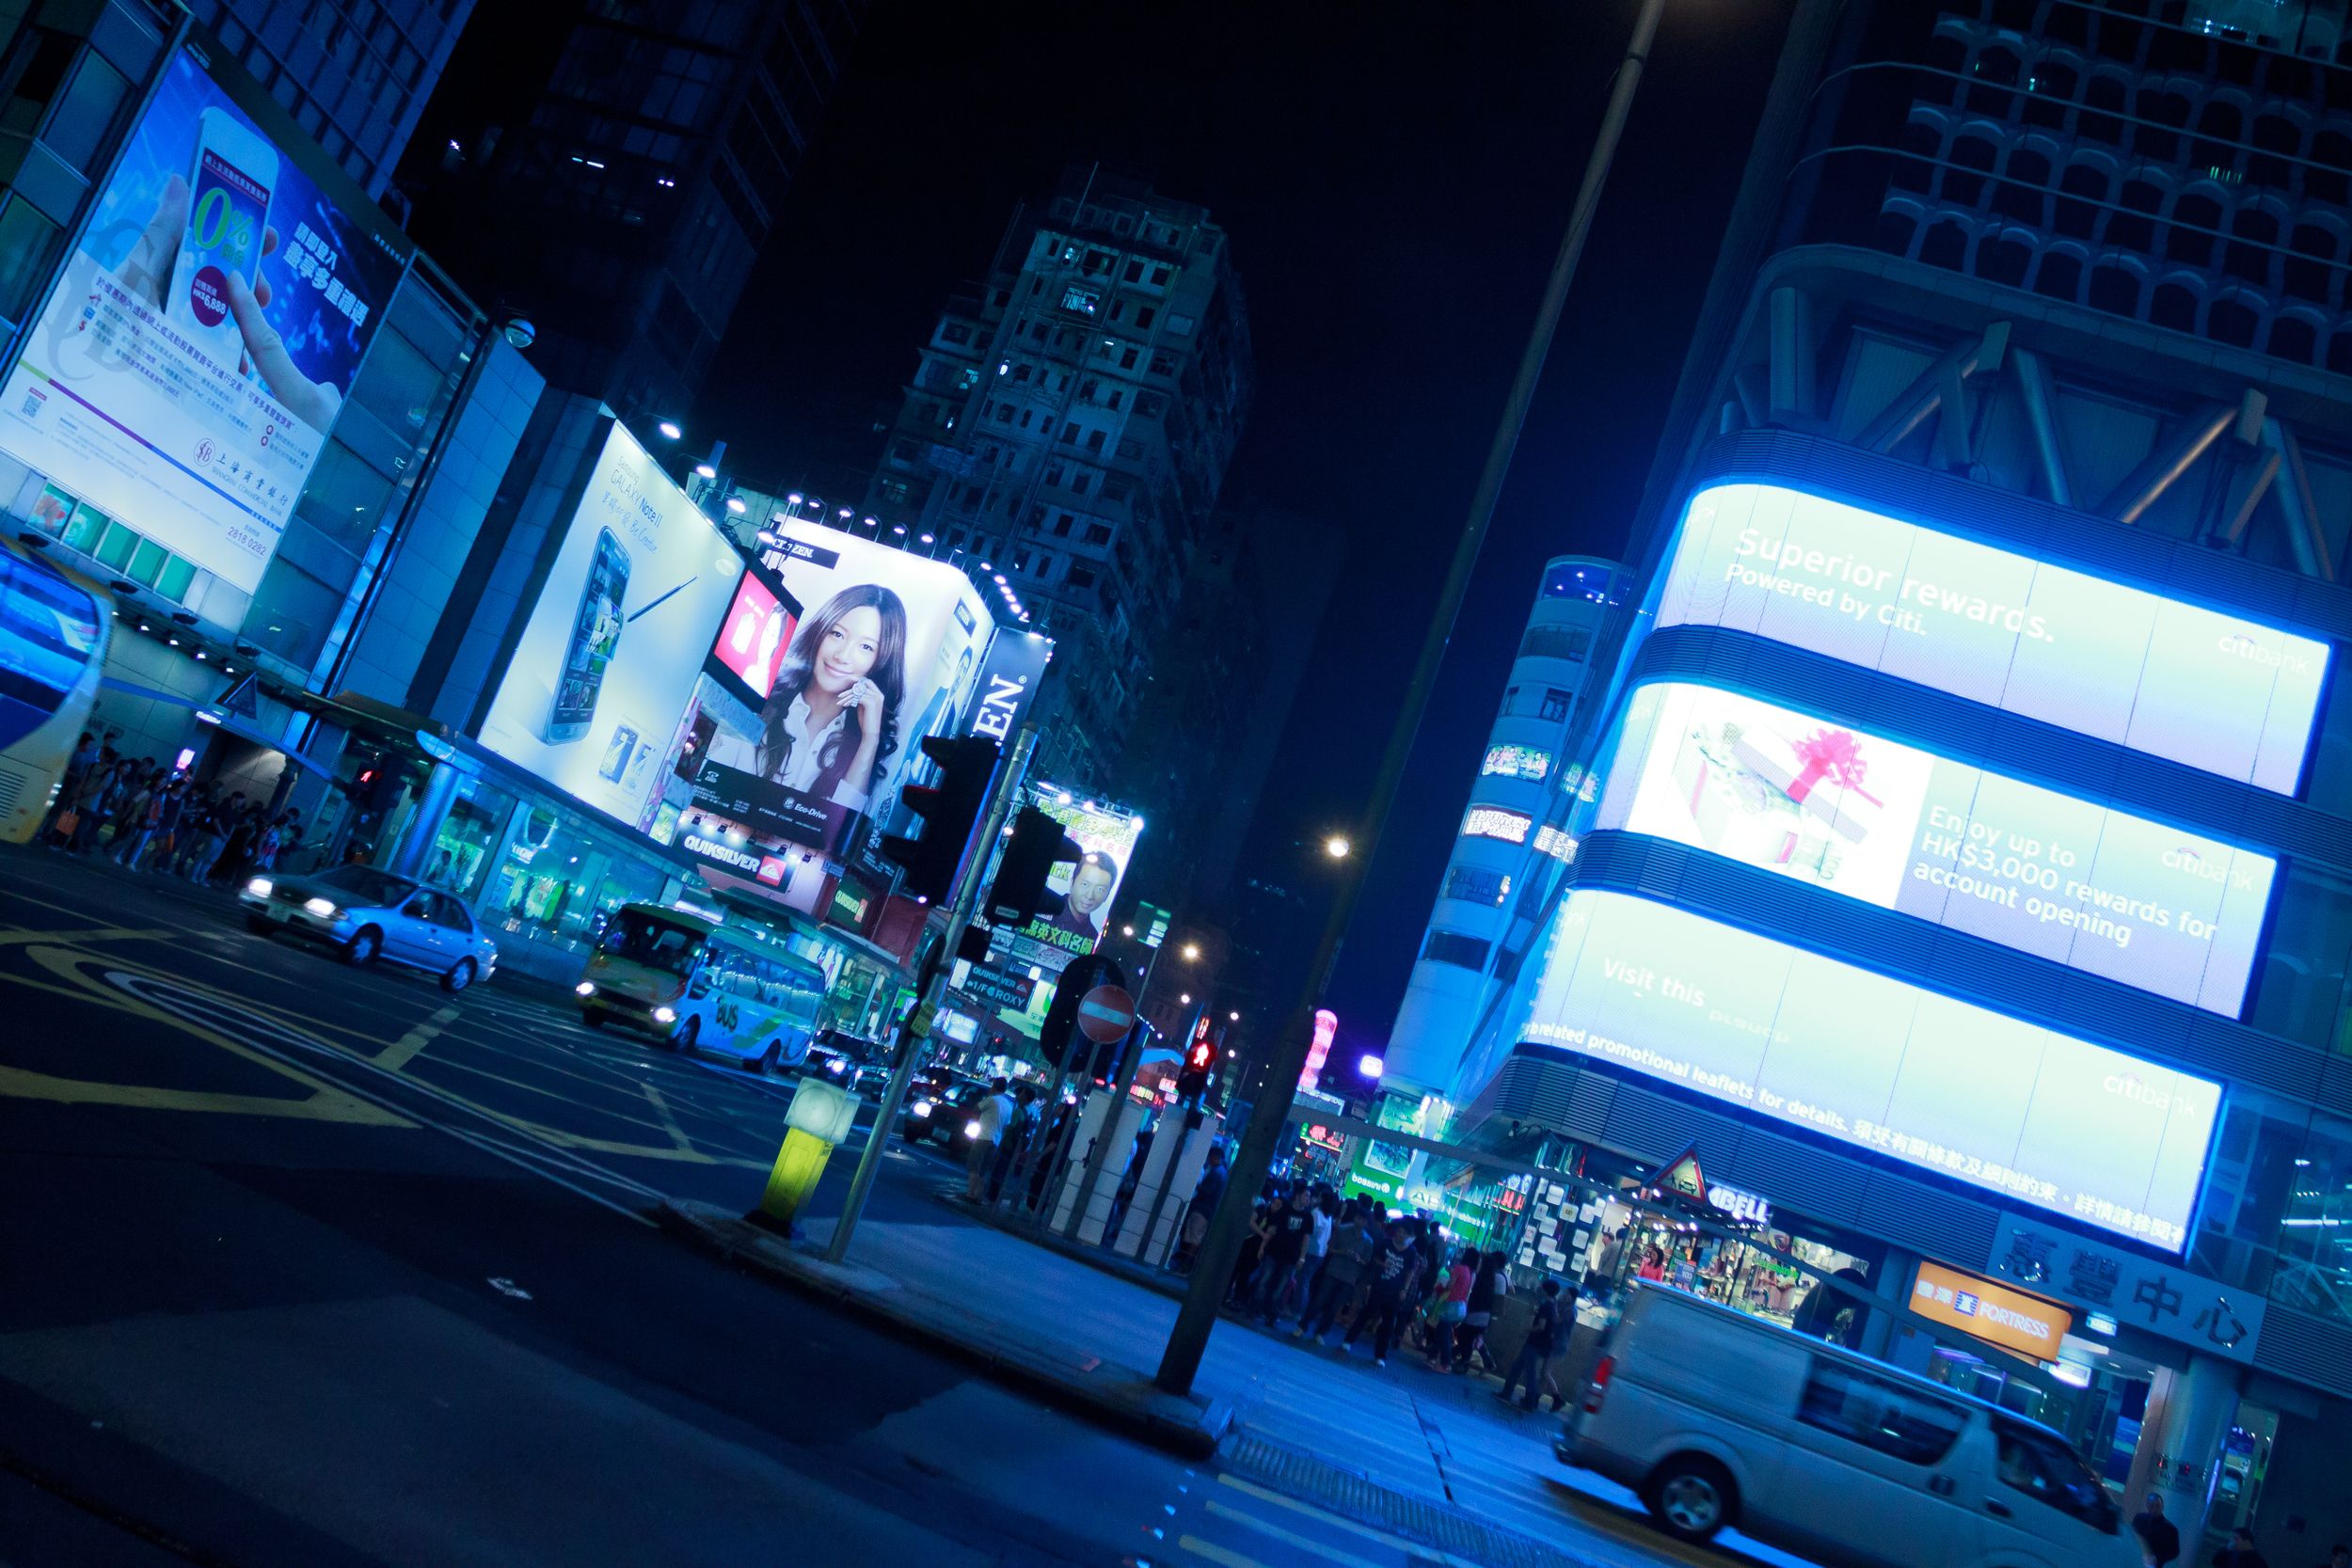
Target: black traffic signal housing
(948,809)
(1038,844)
(1199,1068)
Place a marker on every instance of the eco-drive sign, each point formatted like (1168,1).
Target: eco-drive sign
(2215,691)
(2039,1117)
(2169,911)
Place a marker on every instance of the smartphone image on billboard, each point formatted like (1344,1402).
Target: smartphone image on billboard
(231,176)
(596,636)
(617,756)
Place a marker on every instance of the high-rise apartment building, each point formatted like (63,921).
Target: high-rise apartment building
(354,73)
(1066,434)
(1511,842)
(1967,879)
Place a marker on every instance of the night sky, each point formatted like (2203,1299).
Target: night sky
(1396,179)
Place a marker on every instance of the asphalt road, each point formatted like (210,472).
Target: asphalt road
(310,1266)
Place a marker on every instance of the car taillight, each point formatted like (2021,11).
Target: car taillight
(1598,1387)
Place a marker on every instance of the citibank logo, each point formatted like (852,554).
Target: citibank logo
(2242,646)
(2130,1085)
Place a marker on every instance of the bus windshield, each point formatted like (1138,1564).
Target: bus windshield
(656,943)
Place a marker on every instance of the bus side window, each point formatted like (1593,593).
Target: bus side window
(706,968)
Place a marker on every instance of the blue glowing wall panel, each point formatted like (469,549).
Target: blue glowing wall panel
(2039,1117)
(2215,691)
(2102,891)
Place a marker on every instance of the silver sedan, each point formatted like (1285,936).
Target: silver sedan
(368,914)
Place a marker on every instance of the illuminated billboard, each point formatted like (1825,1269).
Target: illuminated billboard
(2037,1116)
(2167,910)
(1082,893)
(610,654)
(204,334)
(753,638)
(2215,691)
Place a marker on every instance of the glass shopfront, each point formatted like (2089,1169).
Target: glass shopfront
(459,860)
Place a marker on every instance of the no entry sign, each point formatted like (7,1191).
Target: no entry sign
(1106,1013)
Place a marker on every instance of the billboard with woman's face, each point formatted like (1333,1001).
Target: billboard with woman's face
(882,654)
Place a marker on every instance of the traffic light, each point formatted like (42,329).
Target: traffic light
(1037,845)
(1200,1064)
(948,810)
(1057,1035)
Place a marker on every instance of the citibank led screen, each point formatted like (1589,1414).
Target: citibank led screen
(2175,680)
(2042,1117)
(2156,907)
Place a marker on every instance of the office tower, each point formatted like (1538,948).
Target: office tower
(1967,883)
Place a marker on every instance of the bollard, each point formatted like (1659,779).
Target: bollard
(819,1118)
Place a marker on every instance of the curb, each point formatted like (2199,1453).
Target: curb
(1116,1395)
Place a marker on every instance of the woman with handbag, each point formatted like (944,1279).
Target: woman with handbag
(1449,1302)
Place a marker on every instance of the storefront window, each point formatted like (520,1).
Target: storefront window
(2247,1180)
(538,882)
(625,881)
(459,858)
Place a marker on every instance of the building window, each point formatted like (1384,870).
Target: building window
(1180,324)
(1569,642)
(1094,440)
(1130,448)
(1004,413)
(954,332)
(1052,473)
(1098,533)
(1555,704)
(1080,299)
(1135,272)
(1069,431)
(1127,360)
(1473,886)
(1494,822)
(1453,947)
(1144,314)
(1078,485)
(1078,577)
(1517,762)
(1161,364)
(1061,524)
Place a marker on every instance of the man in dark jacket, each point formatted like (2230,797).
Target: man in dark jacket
(2158,1536)
(2240,1552)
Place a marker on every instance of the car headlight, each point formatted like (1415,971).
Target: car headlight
(260,887)
(322,907)
(971,1129)
(836,1065)
(922,1108)
(585,988)
(665,1014)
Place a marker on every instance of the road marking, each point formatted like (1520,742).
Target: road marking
(1288,1538)
(661,1107)
(1198,1547)
(1321,1517)
(96,933)
(402,1051)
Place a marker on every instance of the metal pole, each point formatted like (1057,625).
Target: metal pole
(918,1021)
(1214,1265)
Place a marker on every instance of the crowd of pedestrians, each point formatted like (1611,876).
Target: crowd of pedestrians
(1319,1260)
(145,816)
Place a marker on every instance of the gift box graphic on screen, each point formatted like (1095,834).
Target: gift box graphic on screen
(1823,775)
(1743,812)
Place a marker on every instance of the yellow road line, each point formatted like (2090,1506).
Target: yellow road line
(402,1051)
(1289,1537)
(1214,1553)
(98,933)
(328,1105)
(678,1134)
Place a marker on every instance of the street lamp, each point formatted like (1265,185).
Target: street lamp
(1192,950)
(670,432)
(1337,847)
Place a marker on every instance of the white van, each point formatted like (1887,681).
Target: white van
(1718,1419)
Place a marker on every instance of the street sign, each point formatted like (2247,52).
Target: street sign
(1106,1013)
(998,988)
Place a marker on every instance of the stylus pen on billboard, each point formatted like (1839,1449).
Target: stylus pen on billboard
(657,603)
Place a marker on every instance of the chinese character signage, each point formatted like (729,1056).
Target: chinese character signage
(2144,1292)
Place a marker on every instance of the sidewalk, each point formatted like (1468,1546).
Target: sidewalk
(1431,1454)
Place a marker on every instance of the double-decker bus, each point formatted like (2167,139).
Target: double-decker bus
(53,627)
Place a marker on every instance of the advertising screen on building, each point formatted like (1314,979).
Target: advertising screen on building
(1080,894)
(753,638)
(2039,1118)
(2097,889)
(615,645)
(205,333)
(883,653)
(2008,1318)
(2175,680)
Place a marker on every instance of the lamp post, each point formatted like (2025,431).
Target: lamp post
(1214,1263)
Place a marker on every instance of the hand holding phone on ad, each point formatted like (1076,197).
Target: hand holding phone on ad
(202,244)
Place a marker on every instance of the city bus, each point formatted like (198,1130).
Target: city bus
(696,985)
(54,628)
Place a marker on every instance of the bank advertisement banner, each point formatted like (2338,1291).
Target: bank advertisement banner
(609,658)
(2169,911)
(185,373)
(2215,691)
(2035,1115)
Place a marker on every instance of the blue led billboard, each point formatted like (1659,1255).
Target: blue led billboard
(2037,1116)
(2099,890)
(2214,692)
